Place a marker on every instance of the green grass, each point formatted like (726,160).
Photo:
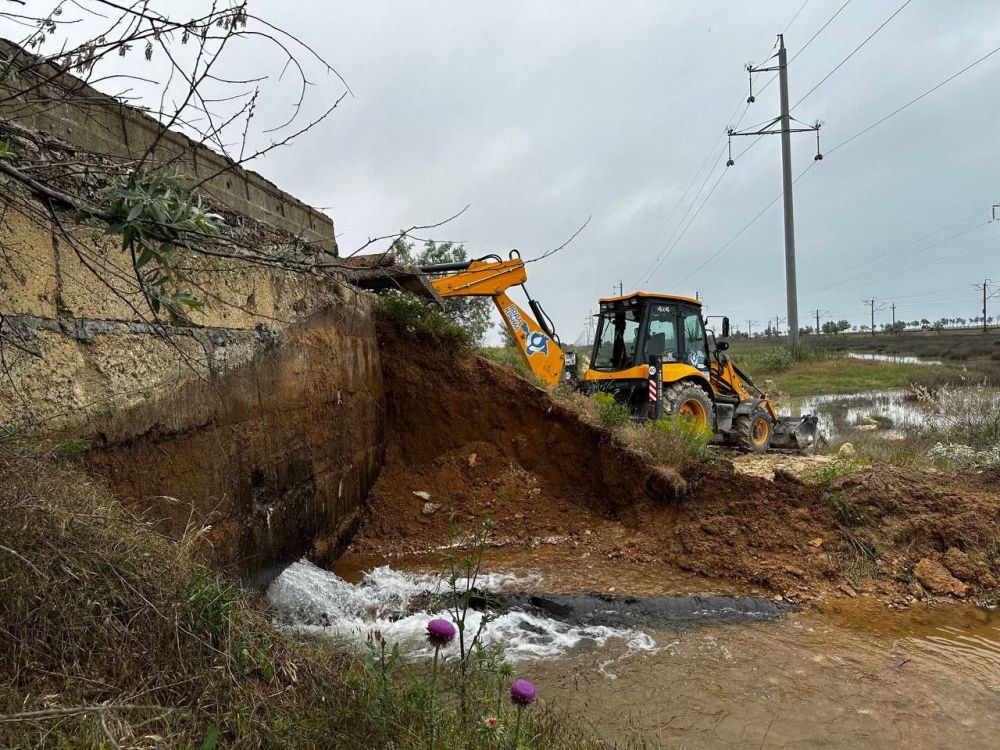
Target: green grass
(818,371)
(115,636)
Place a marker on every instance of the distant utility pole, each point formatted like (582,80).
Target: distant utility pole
(894,318)
(985,288)
(785,130)
(750,325)
(871,304)
(621,292)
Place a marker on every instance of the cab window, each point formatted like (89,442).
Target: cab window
(661,338)
(695,343)
(619,331)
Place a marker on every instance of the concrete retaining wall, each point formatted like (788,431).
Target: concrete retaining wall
(64,106)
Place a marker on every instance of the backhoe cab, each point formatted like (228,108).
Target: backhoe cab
(653,352)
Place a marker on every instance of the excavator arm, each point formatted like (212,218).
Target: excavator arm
(492,277)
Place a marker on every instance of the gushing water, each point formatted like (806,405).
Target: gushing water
(311,600)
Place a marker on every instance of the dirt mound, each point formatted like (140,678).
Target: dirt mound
(470,438)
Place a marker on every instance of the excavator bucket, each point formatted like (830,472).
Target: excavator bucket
(796,432)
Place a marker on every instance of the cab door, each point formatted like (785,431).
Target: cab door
(694,340)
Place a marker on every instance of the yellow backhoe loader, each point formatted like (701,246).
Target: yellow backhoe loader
(653,352)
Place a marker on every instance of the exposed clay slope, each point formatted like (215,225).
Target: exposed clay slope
(480,440)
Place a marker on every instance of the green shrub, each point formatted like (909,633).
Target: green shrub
(693,438)
(776,360)
(610,412)
(417,318)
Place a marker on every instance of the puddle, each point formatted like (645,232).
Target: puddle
(845,673)
(895,359)
(890,413)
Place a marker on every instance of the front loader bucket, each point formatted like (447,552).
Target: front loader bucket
(795,432)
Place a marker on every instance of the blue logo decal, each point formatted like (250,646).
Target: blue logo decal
(535,343)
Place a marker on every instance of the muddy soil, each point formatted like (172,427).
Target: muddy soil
(474,439)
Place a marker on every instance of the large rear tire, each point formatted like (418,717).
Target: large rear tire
(688,400)
(754,431)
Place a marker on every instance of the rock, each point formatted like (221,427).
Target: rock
(430,509)
(817,542)
(425,496)
(935,578)
(847,451)
(472,459)
(848,590)
(959,564)
(771,388)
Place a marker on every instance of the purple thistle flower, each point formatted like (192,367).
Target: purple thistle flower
(522,693)
(440,632)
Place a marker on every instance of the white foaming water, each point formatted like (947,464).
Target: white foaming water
(316,601)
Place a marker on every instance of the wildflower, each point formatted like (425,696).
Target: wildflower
(440,632)
(522,693)
(491,722)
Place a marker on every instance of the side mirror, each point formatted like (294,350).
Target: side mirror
(721,346)
(725,328)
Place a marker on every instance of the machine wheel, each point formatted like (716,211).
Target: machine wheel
(754,431)
(688,400)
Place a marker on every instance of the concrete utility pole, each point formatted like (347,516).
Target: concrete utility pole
(894,318)
(750,325)
(985,288)
(817,322)
(871,304)
(791,290)
(785,130)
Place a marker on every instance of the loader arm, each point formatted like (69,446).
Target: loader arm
(492,277)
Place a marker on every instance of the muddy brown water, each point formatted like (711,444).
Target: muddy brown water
(838,673)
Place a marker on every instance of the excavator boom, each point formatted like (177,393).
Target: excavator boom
(492,277)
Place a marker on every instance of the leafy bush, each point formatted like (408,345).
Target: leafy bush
(417,318)
(155,217)
(610,413)
(776,360)
(841,467)
(693,438)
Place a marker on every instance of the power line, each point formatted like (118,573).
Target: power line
(824,283)
(745,227)
(915,100)
(789,25)
(853,52)
(821,28)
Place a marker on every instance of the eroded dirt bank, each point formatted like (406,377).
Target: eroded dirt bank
(469,438)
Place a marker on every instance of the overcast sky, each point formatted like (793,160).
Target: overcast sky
(542,114)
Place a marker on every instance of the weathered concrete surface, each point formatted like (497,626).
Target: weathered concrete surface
(73,345)
(259,428)
(274,454)
(65,106)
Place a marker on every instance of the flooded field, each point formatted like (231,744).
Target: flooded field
(898,359)
(840,673)
(891,413)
